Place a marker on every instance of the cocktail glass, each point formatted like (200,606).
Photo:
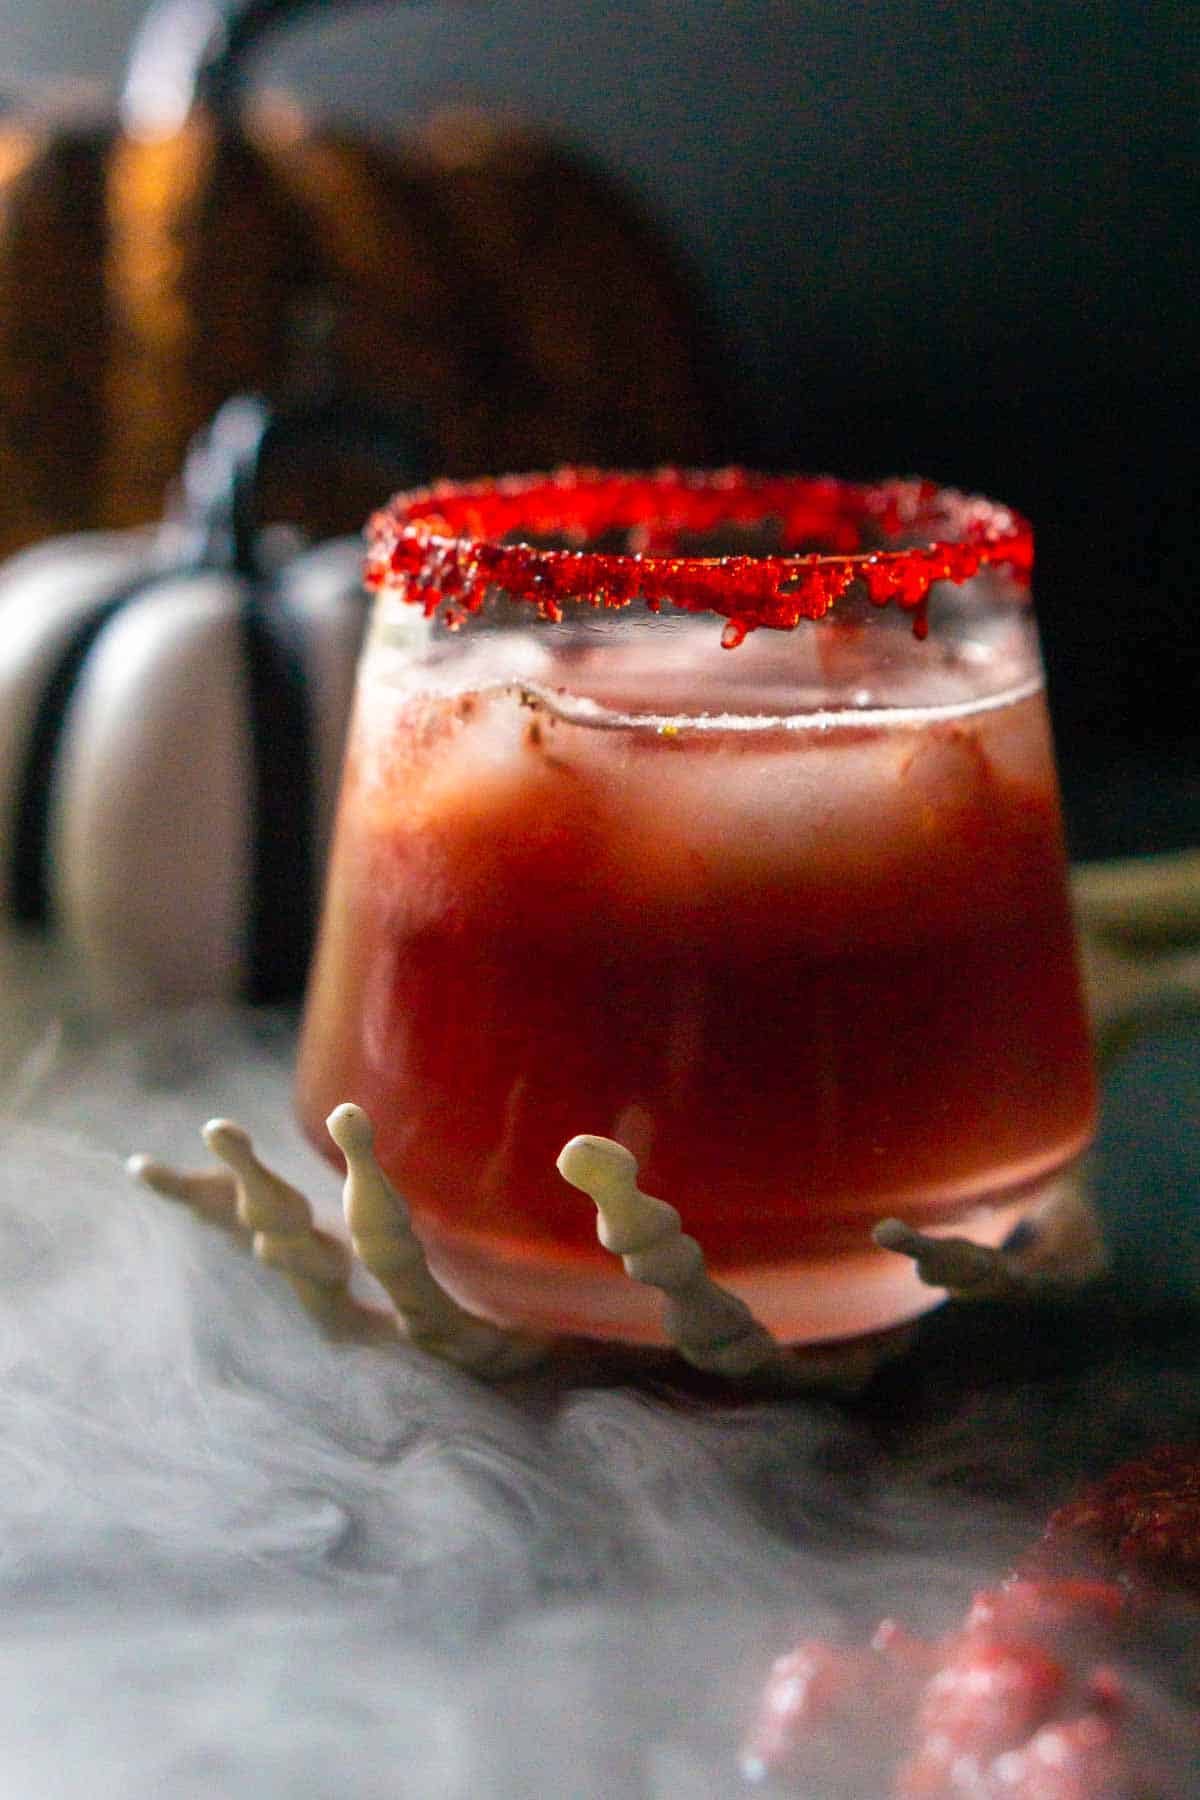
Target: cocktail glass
(717,815)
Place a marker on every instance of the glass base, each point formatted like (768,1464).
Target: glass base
(807,1302)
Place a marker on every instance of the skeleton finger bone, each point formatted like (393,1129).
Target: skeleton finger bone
(1055,1250)
(259,1208)
(386,1245)
(968,1270)
(710,1327)
(286,1237)
(210,1193)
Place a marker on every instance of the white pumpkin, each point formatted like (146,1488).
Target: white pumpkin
(171,731)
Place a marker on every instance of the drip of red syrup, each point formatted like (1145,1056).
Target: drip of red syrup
(445,546)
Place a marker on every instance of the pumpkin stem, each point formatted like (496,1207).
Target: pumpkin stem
(189,52)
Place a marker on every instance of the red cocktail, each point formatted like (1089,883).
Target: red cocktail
(789,918)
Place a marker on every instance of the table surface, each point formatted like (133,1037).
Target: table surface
(239,1561)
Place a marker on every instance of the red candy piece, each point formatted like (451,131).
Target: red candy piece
(445,546)
(1023,1702)
(805,1690)
(1045,1607)
(989,1694)
(821,1696)
(1082,1759)
(1144,1518)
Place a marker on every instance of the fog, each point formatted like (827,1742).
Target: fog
(240,1561)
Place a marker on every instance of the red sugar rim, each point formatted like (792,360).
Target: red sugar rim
(444,546)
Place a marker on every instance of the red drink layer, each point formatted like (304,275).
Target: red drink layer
(812,964)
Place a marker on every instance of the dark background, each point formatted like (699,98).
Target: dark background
(954,239)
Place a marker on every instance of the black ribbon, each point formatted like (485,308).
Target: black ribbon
(283,888)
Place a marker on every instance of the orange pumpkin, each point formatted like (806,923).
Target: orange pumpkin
(480,274)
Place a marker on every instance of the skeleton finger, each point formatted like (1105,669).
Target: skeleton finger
(388,1247)
(710,1327)
(286,1238)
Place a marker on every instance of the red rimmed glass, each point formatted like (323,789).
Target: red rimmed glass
(718,815)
